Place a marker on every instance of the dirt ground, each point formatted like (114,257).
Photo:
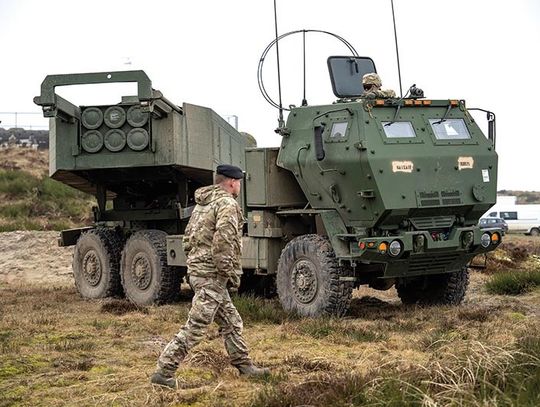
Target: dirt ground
(34,257)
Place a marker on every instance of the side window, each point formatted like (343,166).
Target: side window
(509,215)
(493,214)
(339,130)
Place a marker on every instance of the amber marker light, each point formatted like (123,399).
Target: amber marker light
(418,103)
(454,103)
(408,103)
(426,102)
(495,238)
(383,247)
(379,102)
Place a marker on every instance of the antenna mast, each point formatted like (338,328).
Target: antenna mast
(281,123)
(397,50)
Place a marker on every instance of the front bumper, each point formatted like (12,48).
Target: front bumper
(424,252)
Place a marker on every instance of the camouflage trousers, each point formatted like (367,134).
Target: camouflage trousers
(211,302)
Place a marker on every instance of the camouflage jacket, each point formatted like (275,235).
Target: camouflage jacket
(380,93)
(213,237)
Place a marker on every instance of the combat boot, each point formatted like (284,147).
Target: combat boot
(249,369)
(162,378)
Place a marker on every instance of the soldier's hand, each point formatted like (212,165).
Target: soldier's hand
(234,280)
(222,281)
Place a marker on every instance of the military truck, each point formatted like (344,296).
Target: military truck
(382,192)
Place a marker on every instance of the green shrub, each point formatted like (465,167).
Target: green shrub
(17,182)
(513,282)
(16,210)
(56,191)
(20,224)
(34,203)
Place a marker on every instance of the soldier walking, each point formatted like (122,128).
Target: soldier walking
(213,245)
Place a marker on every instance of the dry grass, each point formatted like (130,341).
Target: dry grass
(58,349)
(35,162)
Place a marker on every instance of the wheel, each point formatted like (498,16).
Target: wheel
(535,232)
(308,278)
(438,289)
(146,278)
(96,263)
(257,285)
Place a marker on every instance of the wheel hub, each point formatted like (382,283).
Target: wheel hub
(304,281)
(91,266)
(141,271)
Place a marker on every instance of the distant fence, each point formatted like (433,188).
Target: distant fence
(23,120)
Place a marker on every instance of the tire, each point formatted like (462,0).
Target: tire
(96,263)
(308,278)
(534,232)
(439,289)
(146,278)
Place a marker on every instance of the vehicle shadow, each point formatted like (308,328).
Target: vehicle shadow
(372,308)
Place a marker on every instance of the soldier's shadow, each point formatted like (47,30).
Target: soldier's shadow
(185,294)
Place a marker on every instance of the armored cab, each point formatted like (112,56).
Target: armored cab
(393,189)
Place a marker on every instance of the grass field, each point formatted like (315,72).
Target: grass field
(58,349)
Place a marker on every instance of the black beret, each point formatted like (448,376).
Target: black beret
(230,171)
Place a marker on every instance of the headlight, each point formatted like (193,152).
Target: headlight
(395,248)
(485,240)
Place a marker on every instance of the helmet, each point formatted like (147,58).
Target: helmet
(371,79)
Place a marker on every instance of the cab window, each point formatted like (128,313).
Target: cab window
(398,129)
(449,129)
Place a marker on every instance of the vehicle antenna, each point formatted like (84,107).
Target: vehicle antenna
(304,100)
(397,50)
(281,123)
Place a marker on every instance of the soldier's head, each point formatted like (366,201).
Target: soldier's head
(371,82)
(229,178)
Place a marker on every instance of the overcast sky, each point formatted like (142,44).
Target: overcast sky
(206,52)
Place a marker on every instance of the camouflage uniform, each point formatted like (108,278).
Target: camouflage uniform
(213,245)
(376,91)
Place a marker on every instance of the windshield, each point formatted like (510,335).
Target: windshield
(449,129)
(398,129)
